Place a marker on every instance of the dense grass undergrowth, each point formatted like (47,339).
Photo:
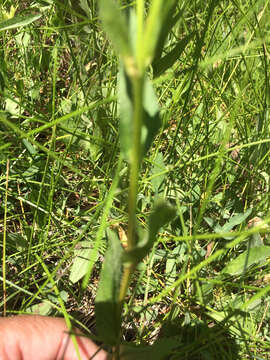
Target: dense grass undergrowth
(67,87)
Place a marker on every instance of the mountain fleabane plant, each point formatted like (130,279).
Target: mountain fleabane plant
(138,42)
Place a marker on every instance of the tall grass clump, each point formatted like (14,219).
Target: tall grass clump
(134,182)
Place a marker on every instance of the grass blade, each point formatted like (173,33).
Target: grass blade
(249,257)
(167,61)
(18,21)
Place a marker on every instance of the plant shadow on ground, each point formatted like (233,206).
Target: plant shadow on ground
(198,340)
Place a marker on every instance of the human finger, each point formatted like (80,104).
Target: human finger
(30,337)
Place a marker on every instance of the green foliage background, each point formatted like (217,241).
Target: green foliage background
(203,290)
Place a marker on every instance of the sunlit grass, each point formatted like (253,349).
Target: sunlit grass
(59,140)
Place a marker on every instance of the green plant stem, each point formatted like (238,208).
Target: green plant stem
(128,271)
(135,159)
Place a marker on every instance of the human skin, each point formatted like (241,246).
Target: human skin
(33,337)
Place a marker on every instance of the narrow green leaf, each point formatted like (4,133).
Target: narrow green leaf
(256,240)
(70,115)
(237,324)
(42,308)
(83,4)
(158,351)
(160,216)
(116,26)
(230,224)
(152,30)
(250,257)
(108,322)
(167,61)
(29,147)
(170,271)
(5,146)
(125,108)
(239,301)
(151,120)
(236,220)
(169,20)
(81,261)
(18,21)
(15,241)
(158,172)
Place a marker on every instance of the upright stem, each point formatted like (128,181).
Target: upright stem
(135,158)
(133,182)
